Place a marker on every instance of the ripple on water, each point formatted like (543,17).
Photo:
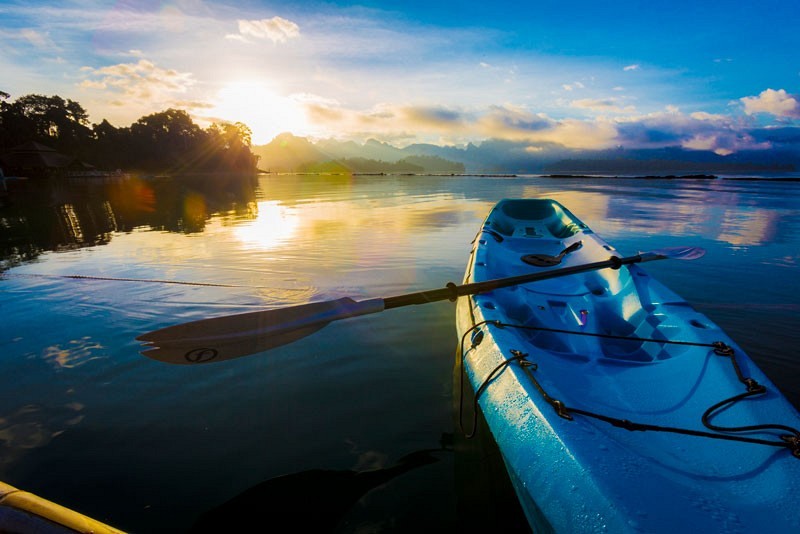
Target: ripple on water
(32,426)
(76,353)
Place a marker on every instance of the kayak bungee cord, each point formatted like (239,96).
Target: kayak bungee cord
(476,341)
(790,441)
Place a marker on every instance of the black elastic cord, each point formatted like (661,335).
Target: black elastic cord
(626,424)
(753,388)
(715,345)
(463,354)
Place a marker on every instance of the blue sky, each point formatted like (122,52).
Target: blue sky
(721,76)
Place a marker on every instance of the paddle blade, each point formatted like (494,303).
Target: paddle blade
(224,338)
(674,253)
(185,353)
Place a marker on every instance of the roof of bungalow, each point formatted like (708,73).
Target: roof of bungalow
(33,155)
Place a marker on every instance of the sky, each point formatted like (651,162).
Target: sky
(710,75)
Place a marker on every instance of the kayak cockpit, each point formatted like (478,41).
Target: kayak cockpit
(630,315)
(534,218)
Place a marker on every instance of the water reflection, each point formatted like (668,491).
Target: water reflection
(55,216)
(273,225)
(32,426)
(271,211)
(77,352)
(317,499)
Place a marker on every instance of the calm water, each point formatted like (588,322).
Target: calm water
(88,422)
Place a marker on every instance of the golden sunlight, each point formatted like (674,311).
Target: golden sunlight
(266,113)
(275,224)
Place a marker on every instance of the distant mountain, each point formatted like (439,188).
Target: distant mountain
(372,149)
(659,166)
(289,153)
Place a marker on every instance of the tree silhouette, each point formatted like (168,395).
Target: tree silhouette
(164,142)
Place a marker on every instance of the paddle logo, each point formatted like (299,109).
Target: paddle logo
(201,355)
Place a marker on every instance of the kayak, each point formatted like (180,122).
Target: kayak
(615,405)
(24,512)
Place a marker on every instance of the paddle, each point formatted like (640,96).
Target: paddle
(224,338)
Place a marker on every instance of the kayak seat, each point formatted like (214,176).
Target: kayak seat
(516,216)
(615,316)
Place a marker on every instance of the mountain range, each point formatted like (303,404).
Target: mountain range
(289,153)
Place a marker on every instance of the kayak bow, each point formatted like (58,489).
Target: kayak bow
(615,405)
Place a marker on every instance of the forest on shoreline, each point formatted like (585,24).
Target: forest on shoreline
(168,141)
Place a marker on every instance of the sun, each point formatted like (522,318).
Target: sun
(263,110)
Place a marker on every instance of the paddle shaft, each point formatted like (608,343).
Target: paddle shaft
(232,336)
(451,292)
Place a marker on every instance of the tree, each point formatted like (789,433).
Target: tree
(62,124)
(228,147)
(107,148)
(167,140)
(164,142)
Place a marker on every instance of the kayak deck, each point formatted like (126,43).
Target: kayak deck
(617,344)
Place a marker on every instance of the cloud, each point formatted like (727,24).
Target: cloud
(435,116)
(40,40)
(696,131)
(786,136)
(605,105)
(703,116)
(37,39)
(276,29)
(705,142)
(778,103)
(635,66)
(513,122)
(453,125)
(573,86)
(700,131)
(142,81)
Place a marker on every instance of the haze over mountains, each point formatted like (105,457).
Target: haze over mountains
(289,153)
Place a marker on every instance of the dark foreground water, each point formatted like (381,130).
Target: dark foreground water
(353,426)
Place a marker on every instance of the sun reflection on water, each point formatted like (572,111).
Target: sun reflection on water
(78,352)
(274,225)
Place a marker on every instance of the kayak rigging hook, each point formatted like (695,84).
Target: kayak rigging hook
(794,443)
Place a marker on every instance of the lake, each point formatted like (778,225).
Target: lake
(354,425)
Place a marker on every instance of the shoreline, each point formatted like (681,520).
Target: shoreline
(549,176)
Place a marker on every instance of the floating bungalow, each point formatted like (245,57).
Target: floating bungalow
(35,160)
